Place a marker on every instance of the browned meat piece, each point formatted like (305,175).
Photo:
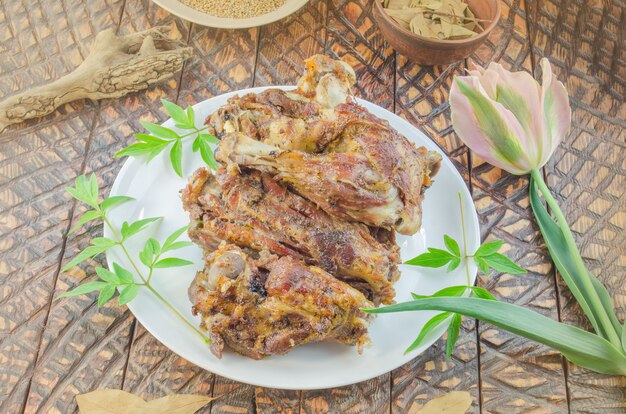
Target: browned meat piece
(372,178)
(380,177)
(255,212)
(266,306)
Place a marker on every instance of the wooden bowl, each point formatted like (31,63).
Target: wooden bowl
(427,51)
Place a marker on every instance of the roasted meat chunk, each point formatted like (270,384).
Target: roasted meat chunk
(253,211)
(332,151)
(266,305)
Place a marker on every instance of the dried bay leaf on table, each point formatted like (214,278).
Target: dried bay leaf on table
(177,404)
(454,402)
(107,401)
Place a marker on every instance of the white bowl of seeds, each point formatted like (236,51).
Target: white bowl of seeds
(231,14)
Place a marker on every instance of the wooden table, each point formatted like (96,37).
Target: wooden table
(51,351)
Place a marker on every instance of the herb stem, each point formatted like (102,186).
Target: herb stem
(177,313)
(146,282)
(571,245)
(465,255)
(119,241)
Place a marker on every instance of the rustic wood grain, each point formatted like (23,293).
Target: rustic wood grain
(57,350)
(39,158)
(283,47)
(516,375)
(84,349)
(584,41)
(422,99)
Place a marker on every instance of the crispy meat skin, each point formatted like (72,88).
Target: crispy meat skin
(267,306)
(253,211)
(365,171)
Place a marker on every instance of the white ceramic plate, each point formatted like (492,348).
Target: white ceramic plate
(183,11)
(323,365)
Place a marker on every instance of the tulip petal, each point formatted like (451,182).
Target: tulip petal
(486,126)
(556,112)
(519,92)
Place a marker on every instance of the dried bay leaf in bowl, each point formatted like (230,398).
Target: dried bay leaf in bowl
(436,19)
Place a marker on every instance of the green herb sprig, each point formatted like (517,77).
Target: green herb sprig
(160,138)
(485,256)
(120,279)
(600,353)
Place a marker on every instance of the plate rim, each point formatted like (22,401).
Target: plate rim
(196,16)
(430,143)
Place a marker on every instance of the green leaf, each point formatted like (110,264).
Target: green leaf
(150,249)
(565,261)
(129,230)
(191,116)
(152,140)
(489,248)
(447,291)
(108,276)
(482,293)
(195,145)
(581,347)
(452,245)
(177,113)
(453,333)
(127,294)
(482,265)
(173,237)
(208,138)
(206,152)
(159,130)
(88,253)
(93,188)
(137,149)
(454,263)
(83,190)
(433,258)
(83,289)
(428,327)
(114,201)
(86,218)
(125,276)
(178,245)
(172,262)
(176,157)
(503,264)
(105,295)
(104,242)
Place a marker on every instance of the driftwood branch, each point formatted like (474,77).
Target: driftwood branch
(116,66)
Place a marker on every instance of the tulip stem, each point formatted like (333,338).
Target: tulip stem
(571,245)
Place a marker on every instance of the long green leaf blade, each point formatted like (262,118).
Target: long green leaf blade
(561,256)
(582,348)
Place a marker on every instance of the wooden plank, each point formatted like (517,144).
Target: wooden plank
(84,349)
(584,41)
(223,61)
(283,47)
(353,37)
(38,159)
(422,99)
(516,375)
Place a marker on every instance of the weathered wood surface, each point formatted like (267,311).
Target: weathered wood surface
(51,351)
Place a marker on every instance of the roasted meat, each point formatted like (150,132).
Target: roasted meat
(267,305)
(337,154)
(253,211)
